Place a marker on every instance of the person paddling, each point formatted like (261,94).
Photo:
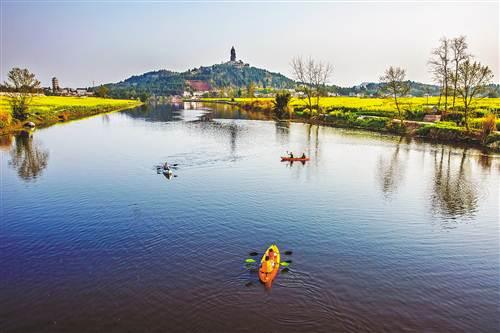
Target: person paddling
(291,155)
(272,255)
(303,155)
(267,266)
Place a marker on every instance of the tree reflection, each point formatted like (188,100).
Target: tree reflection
(454,194)
(28,158)
(391,171)
(5,142)
(282,131)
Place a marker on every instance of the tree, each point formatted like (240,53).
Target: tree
(459,49)
(102,91)
(313,76)
(394,83)
(440,67)
(472,81)
(21,84)
(281,102)
(251,90)
(144,96)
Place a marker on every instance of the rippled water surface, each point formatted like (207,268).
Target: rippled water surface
(386,234)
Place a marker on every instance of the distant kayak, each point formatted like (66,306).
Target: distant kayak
(283,159)
(268,277)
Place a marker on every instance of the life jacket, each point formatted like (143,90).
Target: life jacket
(268,266)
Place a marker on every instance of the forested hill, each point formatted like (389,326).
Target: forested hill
(164,82)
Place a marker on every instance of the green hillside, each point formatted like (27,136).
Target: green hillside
(164,82)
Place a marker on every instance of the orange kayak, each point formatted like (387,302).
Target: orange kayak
(267,277)
(283,159)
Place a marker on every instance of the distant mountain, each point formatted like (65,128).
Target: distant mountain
(233,74)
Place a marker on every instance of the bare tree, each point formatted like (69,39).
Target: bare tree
(313,76)
(394,83)
(472,83)
(459,49)
(22,85)
(440,67)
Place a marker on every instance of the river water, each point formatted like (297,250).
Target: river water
(387,234)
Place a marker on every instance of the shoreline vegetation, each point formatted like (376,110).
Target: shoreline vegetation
(45,111)
(380,115)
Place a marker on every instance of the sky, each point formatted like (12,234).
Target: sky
(90,42)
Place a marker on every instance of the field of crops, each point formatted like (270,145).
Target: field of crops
(379,104)
(50,109)
(41,104)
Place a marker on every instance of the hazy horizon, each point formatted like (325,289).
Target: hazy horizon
(85,42)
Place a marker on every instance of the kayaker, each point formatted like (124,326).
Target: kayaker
(291,155)
(267,266)
(272,255)
(303,155)
(165,166)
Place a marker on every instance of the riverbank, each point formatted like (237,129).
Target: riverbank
(49,110)
(379,115)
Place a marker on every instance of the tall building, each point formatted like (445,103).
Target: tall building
(55,85)
(233,54)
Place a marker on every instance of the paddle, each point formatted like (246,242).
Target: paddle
(171,165)
(253,254)
(285,263)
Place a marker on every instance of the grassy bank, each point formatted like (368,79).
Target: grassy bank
(48,110)
(377,114)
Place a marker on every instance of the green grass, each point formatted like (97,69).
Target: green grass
(45,110)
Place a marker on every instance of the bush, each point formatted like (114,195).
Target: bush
(489,125)
(457,117)
(415,114)
(372,123)
(281,104)
(20,112)
(480,113)
(444,131)
(494,137)
(5,119)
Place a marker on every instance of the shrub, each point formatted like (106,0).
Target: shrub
(5,118)
(480,113)
(494,137)
(415,114)
(20,112)
(489,125)
(281,104)
(456,117)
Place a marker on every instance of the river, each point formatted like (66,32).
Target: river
(387,234)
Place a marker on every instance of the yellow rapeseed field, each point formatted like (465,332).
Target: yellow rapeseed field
(380,104)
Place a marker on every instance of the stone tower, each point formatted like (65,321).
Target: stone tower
(55,84)
(233,54)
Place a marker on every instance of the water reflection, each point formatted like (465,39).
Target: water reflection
(27,157)
(313,136)
(6,142)
(282,131)
(485,161)
(158,113)
(391,171)
(454,193)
